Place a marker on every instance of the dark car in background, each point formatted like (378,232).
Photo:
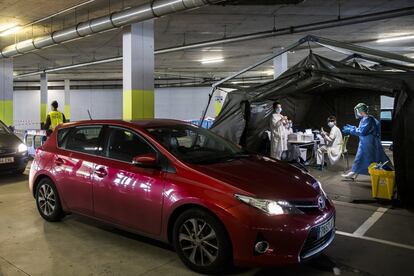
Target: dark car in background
(13,153)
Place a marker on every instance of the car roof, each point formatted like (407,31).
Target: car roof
(148,123)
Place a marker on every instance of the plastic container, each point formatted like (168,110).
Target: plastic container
(382,182)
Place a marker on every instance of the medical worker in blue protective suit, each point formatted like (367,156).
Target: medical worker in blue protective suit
(369,149)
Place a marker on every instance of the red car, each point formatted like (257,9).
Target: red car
(184,185)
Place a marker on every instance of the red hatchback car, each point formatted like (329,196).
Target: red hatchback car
(184,185)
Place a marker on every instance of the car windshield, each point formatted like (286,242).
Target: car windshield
(3,128)
(196,145)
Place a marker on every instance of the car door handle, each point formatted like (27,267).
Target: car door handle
(59,161)
(100,172)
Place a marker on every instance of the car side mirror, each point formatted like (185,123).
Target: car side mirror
(148,160)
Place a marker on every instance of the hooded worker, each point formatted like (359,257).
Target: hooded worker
(278,142)
(370,149)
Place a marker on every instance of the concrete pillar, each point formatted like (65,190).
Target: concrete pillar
(6,91)
(138,71)
(280,64)
(67,100)
(43,97)
(218,101)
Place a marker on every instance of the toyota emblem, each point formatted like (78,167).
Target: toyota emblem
(321,203)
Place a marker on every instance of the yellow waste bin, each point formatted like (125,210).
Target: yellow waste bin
(382,182)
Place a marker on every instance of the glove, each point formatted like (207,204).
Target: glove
(346,130)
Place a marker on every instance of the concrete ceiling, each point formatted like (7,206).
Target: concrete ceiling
(207,23)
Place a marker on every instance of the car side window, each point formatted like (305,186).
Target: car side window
(61,135)
(124,145)
(85,139)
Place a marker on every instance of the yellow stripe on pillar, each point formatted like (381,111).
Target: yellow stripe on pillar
(217,107)
(43,112)
(66,111)
(138,104)
(6,112)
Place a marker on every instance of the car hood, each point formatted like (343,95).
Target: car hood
(264,178)
(9,141)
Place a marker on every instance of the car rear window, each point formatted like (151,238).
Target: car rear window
(84,139)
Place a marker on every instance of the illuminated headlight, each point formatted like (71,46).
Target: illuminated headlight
(270,207)
(22,148)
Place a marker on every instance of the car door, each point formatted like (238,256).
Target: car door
(74,164)
(125,193)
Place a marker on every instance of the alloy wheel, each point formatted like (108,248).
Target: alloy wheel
(46,199)
(198,242)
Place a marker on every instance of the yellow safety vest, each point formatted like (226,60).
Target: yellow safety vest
(56,118)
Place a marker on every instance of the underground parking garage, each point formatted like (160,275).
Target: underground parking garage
(206,137)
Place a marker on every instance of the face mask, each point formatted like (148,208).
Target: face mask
(279,110)
(331,124)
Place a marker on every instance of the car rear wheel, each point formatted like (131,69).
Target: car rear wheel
(47,201)
(201,242)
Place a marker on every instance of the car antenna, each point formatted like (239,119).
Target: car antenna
(89,114)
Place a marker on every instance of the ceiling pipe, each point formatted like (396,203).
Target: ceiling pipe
(150,10)
(252,36)
(58,13)
(297,29)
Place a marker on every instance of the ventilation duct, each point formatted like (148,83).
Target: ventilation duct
(153,9)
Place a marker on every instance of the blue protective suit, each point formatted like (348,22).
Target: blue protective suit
(369,149)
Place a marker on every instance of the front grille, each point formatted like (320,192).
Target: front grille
(313,245)
(4,151)
(306,206)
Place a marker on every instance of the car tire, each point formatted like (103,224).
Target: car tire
(207,250)
(48,201)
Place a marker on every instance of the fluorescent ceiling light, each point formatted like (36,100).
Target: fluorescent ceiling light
(212,60)
(269,72)
(212,49)
(11,30)
(395,38)
(4,27)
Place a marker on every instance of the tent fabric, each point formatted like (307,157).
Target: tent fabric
(312,90)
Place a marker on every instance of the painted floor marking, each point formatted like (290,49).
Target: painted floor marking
(375,240)
(370,221)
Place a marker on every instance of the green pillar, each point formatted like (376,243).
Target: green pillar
(43,97)
(6,91)
(138,71)
(66,110)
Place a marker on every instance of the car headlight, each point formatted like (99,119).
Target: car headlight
(22,148)
(270,207)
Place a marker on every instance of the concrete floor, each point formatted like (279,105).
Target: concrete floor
(78,246)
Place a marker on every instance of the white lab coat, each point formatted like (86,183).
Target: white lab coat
(278,143)
(333,146)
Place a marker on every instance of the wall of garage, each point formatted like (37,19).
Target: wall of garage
(172,103)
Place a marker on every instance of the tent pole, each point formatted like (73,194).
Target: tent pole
(359,49)
(278,53)
(210,96)
(386,63)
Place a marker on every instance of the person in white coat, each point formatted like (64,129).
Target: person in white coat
(278,141)
(333,143)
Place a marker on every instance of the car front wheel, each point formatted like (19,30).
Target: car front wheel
(47,200)
(201,242)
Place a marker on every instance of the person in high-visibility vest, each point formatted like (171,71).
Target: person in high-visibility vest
(55,117)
